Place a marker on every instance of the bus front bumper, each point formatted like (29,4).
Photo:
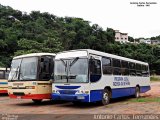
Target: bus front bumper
(72,97)
(3,91)
(31,96)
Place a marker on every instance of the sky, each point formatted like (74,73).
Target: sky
(117,14)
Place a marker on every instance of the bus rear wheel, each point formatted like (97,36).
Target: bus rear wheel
(137,92)
(106,97)
(37,101)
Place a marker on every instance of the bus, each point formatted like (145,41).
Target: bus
(87,75)
(30,76)
(4,72)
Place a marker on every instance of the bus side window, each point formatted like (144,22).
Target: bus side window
(106,65)
(95,70)
(46,67)
(116,66)
(2,75)
(124,68)
(132,69)
(138,70)
(6,74)
(145,72)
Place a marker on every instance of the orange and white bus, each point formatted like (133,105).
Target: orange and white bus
(4,72)
(30,76)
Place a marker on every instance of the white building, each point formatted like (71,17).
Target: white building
(121,37)
(155,42)
(148,41)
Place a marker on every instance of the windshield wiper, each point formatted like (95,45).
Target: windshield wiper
(69,66)
(65,64)
(74,61)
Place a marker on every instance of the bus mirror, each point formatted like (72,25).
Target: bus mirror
(91,61)
(91,58)
(42,59)
(52,77)
(51,81)
(42,63)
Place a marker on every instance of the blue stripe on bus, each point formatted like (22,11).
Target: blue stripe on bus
(121,92)
(67,91)
(73,97)
(67,87)
(4,83)
(96,95)
(144,89)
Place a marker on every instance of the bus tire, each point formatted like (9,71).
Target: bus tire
(137,92)
(37,101)
(106,97)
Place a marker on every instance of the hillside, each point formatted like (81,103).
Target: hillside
(22,33)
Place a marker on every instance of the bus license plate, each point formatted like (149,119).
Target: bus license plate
(80,97)
(18,97)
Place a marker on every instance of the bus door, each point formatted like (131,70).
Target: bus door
(95,68)
(45,71)
(95,76)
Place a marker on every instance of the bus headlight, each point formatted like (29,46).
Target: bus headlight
(85,92)
(53,91)
(9,87)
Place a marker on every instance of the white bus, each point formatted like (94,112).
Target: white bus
(4,72)
(89,76)
(30,76)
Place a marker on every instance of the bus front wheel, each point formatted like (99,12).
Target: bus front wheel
(137,92)
(106,97)
(37,101)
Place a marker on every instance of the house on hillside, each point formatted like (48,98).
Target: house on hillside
(155,42)
(121,37)
(148,41)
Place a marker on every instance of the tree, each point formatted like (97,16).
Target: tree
(110,35)
(22,33)
(131,39)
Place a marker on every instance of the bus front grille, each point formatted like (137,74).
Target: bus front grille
(67,91)
(18,93)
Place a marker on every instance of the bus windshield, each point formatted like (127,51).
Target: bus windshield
(71,71)
(24,69)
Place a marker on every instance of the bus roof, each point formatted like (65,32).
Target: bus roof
(95,52)
(34,55)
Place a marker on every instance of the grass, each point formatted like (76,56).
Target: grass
(157,99)
(155,78)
